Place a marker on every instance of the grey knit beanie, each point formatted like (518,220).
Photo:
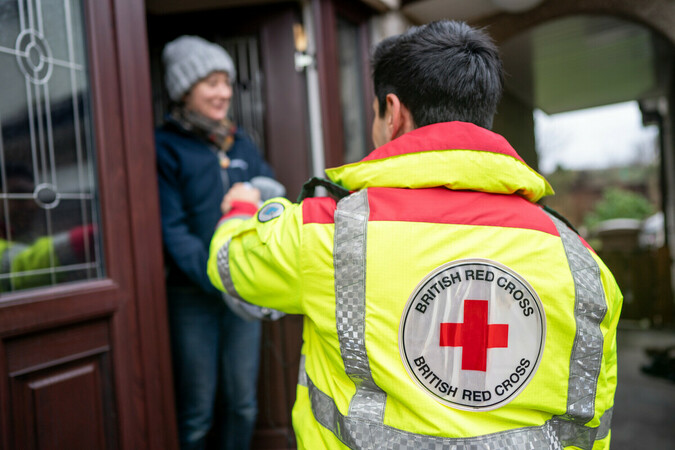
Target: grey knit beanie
(188,59)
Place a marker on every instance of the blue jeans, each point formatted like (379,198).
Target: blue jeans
(216,355)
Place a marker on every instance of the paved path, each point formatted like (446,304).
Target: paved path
(644,407)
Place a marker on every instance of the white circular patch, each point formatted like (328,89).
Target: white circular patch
(472,334)
(270,211)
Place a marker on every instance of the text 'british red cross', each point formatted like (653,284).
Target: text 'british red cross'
(475,335)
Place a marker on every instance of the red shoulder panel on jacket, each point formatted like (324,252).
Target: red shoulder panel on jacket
(318,210)
(441,205)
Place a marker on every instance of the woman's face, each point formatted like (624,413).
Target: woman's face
(210,96)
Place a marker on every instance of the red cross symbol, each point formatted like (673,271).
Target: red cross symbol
(475,335)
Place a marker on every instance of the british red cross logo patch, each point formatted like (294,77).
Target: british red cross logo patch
(475,335)
(472,334)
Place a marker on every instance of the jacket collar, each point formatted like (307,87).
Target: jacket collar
(456,155)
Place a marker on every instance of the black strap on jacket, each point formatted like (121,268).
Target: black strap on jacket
(334,190)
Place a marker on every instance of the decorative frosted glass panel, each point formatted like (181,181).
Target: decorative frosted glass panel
(48,194)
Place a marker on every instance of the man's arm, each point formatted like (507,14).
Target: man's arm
(255,255)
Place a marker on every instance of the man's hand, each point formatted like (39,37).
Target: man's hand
(240,192)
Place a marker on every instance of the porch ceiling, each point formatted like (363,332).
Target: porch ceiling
(572,63)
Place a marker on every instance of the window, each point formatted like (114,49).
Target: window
(48,195)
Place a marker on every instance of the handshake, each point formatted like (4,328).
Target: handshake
(256,191)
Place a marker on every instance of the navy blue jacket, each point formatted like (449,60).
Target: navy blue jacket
(191,189)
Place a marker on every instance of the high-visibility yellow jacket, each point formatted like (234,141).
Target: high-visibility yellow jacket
(443,308)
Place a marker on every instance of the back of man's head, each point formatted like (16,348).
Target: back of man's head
(441,72)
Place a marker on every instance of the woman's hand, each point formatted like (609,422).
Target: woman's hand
(241,192)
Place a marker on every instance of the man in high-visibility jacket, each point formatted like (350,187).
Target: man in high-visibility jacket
(443,308)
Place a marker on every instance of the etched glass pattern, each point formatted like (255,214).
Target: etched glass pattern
(48,194)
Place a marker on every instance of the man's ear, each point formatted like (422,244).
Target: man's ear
(398,117)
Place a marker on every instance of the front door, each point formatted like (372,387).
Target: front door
(83,350)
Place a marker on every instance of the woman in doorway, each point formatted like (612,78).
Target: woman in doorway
(200,156)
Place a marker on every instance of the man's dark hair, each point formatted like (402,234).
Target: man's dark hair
(441,72)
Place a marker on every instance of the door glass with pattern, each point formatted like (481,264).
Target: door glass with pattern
(49,207)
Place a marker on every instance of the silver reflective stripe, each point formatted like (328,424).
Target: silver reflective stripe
(302,373)
(586,359)
(578,435)
(349,259)
(361,434)
(223,262)
(605,424)
(364,434)
(589,310)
